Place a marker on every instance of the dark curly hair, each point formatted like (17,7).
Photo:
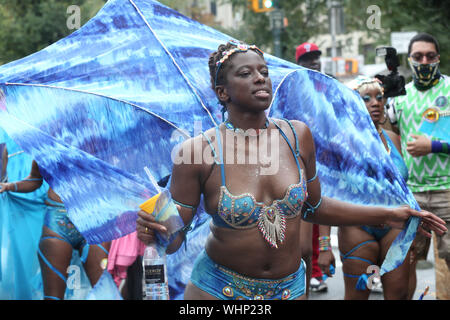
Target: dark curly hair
(217,77)
(216,56)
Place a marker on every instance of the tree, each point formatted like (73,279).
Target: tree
(29,26)
(305,19)
(431,16)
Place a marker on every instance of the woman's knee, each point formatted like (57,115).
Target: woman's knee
(396,285)
(398,291)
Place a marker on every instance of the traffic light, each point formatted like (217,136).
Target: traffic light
(261,5)
(351,66)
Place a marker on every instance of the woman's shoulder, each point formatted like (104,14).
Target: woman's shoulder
(391,133)
(395,138)
(291,121)
(201,137)
(300,127)
(191,150)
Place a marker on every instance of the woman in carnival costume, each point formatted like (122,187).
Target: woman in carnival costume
(59,238)
(364,246)
(253,251)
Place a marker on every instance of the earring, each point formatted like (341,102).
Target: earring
(223,110)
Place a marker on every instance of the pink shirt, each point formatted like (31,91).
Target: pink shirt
(122,254)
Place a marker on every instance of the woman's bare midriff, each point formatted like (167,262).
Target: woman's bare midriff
(251,255)
(52,196)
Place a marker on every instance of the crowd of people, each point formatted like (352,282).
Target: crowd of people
(271,234)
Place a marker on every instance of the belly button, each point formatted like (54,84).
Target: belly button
(266,267)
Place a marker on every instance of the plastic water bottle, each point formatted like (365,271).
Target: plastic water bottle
(154,283)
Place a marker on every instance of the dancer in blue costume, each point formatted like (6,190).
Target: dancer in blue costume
(367,245)
(253,251)
(59,237)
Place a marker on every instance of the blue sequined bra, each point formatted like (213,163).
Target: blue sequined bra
(243,211)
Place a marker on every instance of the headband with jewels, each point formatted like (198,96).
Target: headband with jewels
(240,47)
(359,81)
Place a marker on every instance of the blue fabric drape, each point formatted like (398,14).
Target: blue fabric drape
(21,219)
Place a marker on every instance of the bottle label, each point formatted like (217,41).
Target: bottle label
(154,274)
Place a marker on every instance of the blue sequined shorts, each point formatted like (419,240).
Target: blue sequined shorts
(56,219)
(225,284)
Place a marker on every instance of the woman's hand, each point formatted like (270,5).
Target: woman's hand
(146,226)
(325,260)
(430,222)
(5,187)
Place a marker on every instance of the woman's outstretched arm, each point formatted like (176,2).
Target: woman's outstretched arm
(339,213)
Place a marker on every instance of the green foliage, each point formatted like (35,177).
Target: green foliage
(29,26)
(303,23)
(178,5)
(431,16)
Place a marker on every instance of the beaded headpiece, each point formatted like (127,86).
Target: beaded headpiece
(240,47)
(359,81)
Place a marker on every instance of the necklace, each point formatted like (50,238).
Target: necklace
(381,134)
(230,126)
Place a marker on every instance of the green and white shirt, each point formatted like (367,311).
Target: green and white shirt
(430,172)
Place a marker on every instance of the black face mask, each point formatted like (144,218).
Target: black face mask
(425,75)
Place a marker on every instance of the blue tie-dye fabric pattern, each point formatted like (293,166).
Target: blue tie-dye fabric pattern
(100,106)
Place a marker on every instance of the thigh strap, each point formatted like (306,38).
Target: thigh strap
(361,284)
(347,255)
(85,251)
(48,262)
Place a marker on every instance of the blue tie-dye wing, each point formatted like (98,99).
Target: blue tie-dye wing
(100,106)
(109,101)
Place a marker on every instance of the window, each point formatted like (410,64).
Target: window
(213,7)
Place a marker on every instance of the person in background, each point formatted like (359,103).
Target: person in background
(308,55)
(427,158)
(364,246)
(59,237)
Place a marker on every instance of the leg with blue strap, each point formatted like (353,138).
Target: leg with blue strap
(52,287)
(362,279)
(92,258)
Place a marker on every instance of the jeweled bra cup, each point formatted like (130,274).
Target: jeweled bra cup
(243,211)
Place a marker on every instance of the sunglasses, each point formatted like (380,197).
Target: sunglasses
(367,98)
(431,56)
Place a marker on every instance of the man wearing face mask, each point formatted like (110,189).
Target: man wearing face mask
(427,158)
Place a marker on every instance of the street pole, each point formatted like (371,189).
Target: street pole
(333,5)
(276,24)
